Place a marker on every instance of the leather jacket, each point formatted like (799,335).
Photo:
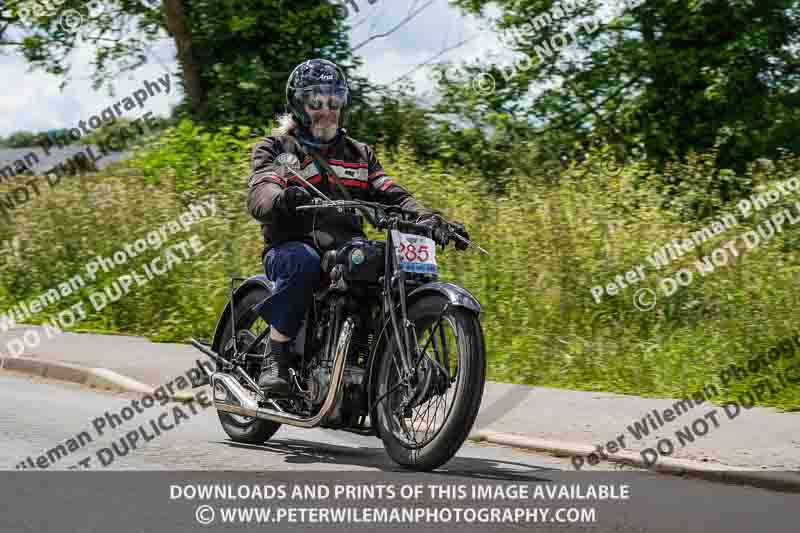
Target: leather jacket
(357,169)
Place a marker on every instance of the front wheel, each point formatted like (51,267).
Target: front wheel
(424,415)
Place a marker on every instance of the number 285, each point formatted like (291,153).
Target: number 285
(412,253)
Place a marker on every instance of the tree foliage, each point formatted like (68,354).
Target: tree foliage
(234,56)
(667,76)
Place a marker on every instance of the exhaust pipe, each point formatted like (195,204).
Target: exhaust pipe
(230,396)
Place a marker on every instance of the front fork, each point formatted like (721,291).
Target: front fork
(407,343)
(398,277)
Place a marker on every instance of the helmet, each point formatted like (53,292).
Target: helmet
(316,76)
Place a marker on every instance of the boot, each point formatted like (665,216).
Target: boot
(275,379)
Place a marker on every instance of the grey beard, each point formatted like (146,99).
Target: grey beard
(324,134)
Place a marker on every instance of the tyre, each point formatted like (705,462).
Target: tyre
(453,371)
(242,428)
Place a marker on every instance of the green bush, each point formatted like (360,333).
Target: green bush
(552,237)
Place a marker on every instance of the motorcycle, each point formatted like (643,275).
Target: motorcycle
(384,345)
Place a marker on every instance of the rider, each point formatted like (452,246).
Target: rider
(310,139)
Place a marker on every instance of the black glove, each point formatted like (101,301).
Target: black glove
(460,230)
(440,233)
(435,223)
(291,198)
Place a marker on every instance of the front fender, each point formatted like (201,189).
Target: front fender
(456,295)
(259,282)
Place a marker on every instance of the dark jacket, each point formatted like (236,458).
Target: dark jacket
(357,169)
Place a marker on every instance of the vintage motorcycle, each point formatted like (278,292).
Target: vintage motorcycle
(384,341)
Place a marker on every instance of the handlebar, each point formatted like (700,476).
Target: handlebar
(404,225)
(372,216)
(369,209)
(373,210)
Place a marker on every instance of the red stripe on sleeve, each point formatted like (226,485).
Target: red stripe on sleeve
(355,183)
(338,163)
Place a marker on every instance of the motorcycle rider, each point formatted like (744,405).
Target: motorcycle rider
(310,139)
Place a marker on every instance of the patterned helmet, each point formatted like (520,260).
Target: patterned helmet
(313,78)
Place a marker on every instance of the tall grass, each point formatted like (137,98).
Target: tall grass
(551,238)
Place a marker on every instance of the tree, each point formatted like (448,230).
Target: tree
(668,76)
(234,56)
(19,139)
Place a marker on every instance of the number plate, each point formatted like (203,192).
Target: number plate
(415,253)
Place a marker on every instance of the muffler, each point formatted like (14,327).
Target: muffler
(230,396)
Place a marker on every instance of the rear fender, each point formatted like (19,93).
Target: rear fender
(259,282)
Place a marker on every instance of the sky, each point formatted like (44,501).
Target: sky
(33,101)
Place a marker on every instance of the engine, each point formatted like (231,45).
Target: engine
(320,384)
(353,400)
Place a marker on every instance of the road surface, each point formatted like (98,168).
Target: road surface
(38,415)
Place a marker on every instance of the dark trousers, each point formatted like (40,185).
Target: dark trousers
(295,268)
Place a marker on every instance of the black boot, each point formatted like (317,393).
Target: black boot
(275,379)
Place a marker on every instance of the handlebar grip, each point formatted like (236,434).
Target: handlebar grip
(439,234)
(403,225)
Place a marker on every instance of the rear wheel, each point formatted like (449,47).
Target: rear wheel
(249,325)
(424,416)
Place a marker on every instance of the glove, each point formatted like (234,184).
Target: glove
(460,230)
(291,198)
(438,230)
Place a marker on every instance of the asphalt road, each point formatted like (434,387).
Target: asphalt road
(758,438)
(37,415)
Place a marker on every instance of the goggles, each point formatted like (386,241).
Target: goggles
(317,96)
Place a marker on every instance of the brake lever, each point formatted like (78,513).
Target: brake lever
(453,233)
(469,242)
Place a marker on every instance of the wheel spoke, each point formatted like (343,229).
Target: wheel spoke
(425,418)
(437,378)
